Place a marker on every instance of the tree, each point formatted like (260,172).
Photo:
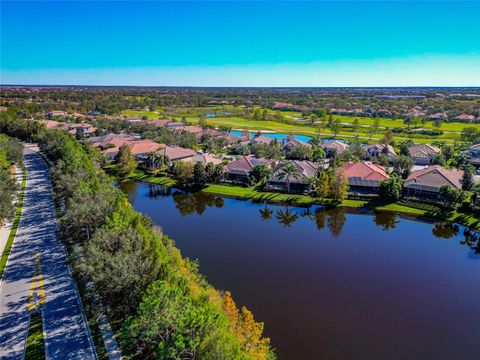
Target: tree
(356,125)
(318,154)
(451,197)
(260,173)
(264,114)
(336,127)
(321,184)
(299,152)
(266,213)
(402,165)
(126,163)
(338,186)
(391,189)
(184,173)
(288,172)
(286,217)
(467,180)
(387,137)
(199,173)
(157,161)
(439,159)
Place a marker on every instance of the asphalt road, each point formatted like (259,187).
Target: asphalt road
(65,330)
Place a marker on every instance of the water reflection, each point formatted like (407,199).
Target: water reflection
(265,213)
(445,230)
(190,203)
(472,240)
(157,190)
(286,217)
(386,220)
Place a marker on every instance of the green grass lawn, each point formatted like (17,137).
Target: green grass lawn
(35,349)
(151,115)
(15,224)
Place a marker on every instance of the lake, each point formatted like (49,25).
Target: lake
(276,136)
(332,284)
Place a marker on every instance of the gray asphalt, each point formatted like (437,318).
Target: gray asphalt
(66,332)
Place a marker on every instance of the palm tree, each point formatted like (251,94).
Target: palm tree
(288,172)
(157,161)
(266,214)
(286,218)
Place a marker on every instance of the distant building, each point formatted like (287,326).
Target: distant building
(465,118)
(423,154)
(334,147)
(375,150)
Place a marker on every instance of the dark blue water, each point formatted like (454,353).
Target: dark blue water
(332,284)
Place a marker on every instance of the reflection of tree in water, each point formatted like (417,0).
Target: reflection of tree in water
(472,240)
(386,220)
(266,213)
(445,230)
(157,190)
(336,219)
(190,203)
(286,217)
(129,187)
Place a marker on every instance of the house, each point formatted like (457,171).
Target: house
(363,177)
(374,150)
(239,170)
(423,154)
(334,147)
(465,118)
(52,124)
(427,182)
(110,139)
(262,139)
(438,116)
(140,149)
(299,183)
(56,113)
(84,129)
(474,150)
(176,153)
(204,159)
(234,139)
(290,142)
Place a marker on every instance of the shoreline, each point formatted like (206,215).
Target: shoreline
(251,194)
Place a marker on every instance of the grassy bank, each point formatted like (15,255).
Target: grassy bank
(35,349)
(16,222)
(251,193)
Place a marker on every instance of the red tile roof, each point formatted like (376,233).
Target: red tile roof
(365,170)
(436,176)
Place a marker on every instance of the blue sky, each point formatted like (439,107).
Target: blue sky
(342,43)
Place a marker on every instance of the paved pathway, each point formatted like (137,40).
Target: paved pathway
(66,333)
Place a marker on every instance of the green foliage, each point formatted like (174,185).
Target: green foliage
(451,197)
(299,152)
(184,173)
(260,173)
(391,189)
(126,162)
(467,181)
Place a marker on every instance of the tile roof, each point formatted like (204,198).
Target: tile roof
(176,152)
(246,164)
(204,158)
(379,148)
(435,176)
(365,170)
(423,151)
(306,169)
(339,146)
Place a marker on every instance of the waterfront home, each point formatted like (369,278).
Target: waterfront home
(296,183)
(204,158)
(140,149)
(239,170)
(375,150)
(84,129)
(423,154)
(427,182)
(363,177)
(334,147)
